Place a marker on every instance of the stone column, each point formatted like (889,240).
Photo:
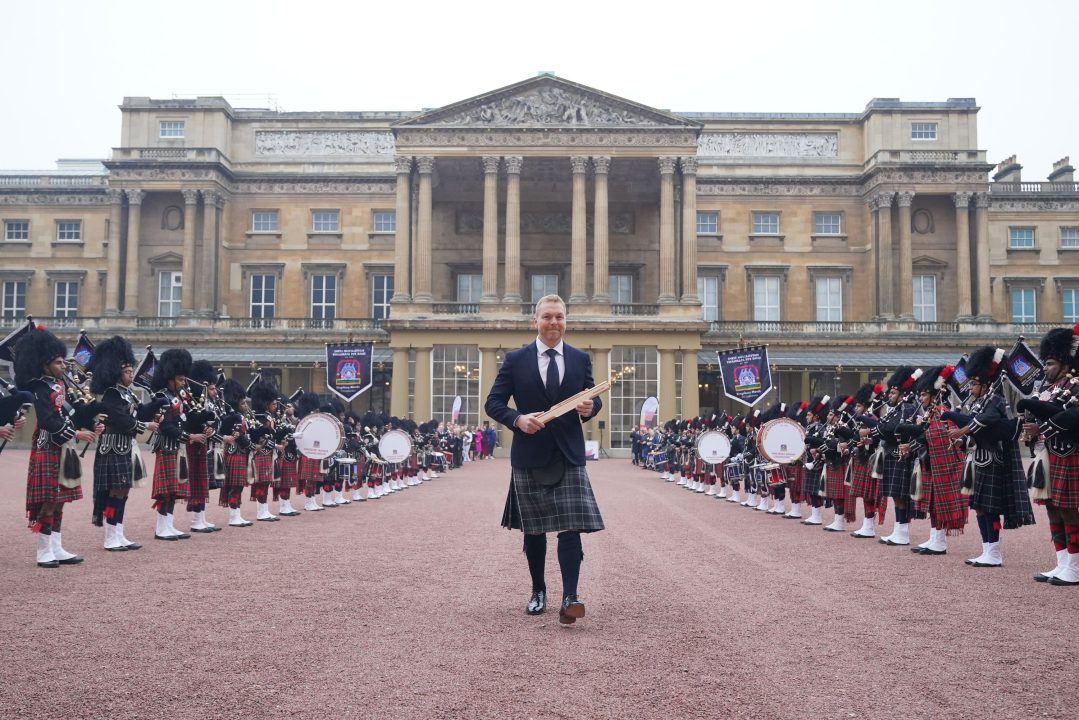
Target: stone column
(886,285)
(488,371)
(666,233)
(513,229)
(601,370)
(422,255)
(422,398)
(600,247)
(668,398)
(691,394)
(212,203)
(112,278)
(402,292)
(579,249)
(131,271)
(187,269)
(689,233)
(981,240)
(399,383)
(906,258)
(962,255)
(490,228)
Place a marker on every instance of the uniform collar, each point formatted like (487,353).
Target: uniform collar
(542,348)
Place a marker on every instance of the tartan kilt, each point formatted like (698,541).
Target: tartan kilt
(198,474)
(796,482)
(235,471)
(167,476)
(896,481)
(262,464)
(290,473)
(310,474)
(835,486)
(941,486)
(112,471)
(1064,481)
(863,484)
(568,506)
(811,480)
(1000,488)
(43,478)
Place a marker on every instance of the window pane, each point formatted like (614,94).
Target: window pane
(1023,309)
(766,299)
(172,129)
(621,289)
(69,230)
(381,295)
(708,292)
(469,288)
(544,285)
(66,299)
(385,221)
(1070,300)
(1069,237)
(829,299)
(923,131)
(1021,237)
(765,223)
(827,224)
(325,221)
(707,223)
(262,295)
(264,221)
(14,300)
(925,298)
(17,230)
(169,289)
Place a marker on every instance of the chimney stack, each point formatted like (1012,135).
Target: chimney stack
(1009,171)
(1063,172)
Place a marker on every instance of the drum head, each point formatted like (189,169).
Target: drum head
(319,435)
(395,446)
(713,447)
(781,441)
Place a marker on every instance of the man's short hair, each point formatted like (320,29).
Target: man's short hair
(549,299)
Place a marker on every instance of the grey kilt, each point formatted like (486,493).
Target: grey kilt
(811,480)
(112,471)
(535,509)
(897,474)
(1000,488)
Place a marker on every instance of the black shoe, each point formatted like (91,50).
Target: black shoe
(201,530)
(572,610)
(182,536)
(71,561)
(170,538)
(133,546)
(49,564)
(122,548)
(537,604)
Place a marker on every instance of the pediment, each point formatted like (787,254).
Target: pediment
(548,101)
(925,262)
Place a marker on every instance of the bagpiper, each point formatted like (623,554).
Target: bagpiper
(263,400)
(237,451)
(170,466)
(895,470)
(864,484)
(202,418)
(308,470)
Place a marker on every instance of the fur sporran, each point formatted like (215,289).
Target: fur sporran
(70,467)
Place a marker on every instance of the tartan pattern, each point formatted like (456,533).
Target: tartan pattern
(198,474)
(795,481)
(310,474)
(811,480)
(1064,480)
(262,464)
(112,471)
(290,474)
(167,481)
(896,481)
(1001,489)
(941,484)
(235,471)
(43,477)
(535,509)
(834,486)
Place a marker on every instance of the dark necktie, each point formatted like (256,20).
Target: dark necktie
(552,374)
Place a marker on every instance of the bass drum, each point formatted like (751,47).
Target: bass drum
(319,435)
(781,441)
(395,446)
(713,447)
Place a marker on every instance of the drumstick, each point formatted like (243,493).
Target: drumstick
(570,403)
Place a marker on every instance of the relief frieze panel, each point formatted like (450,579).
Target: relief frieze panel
(299,143)
(782,145)
(780,188)
(53,199)
(544,138)
(547,106)
(470,222)
(317,187)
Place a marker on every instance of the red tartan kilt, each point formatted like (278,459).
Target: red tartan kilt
(198,469)
(167,476)
(43,478)
(235,471)
(863,484)
(310,474)
(1064,481)
(795,475)
(834,487)
(263,463)
(289,474)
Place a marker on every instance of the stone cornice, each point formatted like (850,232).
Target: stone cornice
(100,197)
(571,140)
(1034,205)
(845,187)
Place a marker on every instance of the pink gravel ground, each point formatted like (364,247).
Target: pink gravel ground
(412,606)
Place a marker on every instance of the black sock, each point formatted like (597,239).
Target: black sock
(535,548)
(570,555)
(121,505)
(901,515)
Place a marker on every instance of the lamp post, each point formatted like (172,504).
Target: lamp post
(836,379)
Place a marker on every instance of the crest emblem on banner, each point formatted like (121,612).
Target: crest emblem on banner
(349,368)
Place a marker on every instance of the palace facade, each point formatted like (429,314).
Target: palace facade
(849,242)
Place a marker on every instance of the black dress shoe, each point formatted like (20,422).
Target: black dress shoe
(71,560)
(170,538)
(572,610)
(133,546)
(537,603)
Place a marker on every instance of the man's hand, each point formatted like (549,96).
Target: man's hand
(198,439)
(20,421)
(584,408)
(85,436)
(152,426)
(7,432)
(1031,431)
(955,433)
(529,425)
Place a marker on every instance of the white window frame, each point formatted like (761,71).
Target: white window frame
(1069,237)
(708,222)
(924,309)
(469,285)
(763,222)
(266,309)
(1027,296)
(1073,294)
(172,281)
(384,222)
(549,285)
(708,292)
(923,131)
(830,306)
(71,228)
(382,288)
(10,296)
(620,288)
(171,129)
(326,221)
(821,229)
(322,285)
(1013,233)
(9,230)
(265,221)
(69,307)
(763,309)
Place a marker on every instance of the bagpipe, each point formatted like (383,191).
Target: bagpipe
(14,404)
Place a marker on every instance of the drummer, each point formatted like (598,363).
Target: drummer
(308,469)
(814,466)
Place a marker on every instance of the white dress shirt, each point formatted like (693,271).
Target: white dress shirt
(560,361)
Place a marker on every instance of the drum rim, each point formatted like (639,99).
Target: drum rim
(780,422)
(321,417)
(394,433)
(702,436)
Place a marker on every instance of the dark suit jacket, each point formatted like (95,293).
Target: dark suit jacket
(519,378)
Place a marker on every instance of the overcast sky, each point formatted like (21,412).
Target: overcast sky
(67,65)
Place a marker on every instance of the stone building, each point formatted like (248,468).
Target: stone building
(846,241)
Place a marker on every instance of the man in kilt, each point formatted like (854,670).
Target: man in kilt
(39,369)
(289,459)
(202,418)
(1058,353)
(814,466)
(993,471)
(835,485)
(170,467)
(863,484)
(308,470)
(263,399)
(897,469)
(795,471)
(113,372)
(549,488)
(234,434)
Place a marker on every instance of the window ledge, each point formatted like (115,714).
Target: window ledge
(1062,248)
(263,233)
(325,234)
(841,236)
(62,243)
(767,237)
(17,242)
(710,236)
(1026,249)
(382,234)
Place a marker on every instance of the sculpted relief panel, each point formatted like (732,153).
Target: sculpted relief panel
(294,143)
(782,145)
(547,106)
(470,222)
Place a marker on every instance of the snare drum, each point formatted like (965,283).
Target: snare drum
(713,447)
(319,435)
(781,441)
(395,446)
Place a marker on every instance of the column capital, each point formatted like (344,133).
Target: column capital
(962,199)
(115,196)
(882,201)
(601,165)
(191,197)
(981,200)
(211,197)
(905,199)
(513,164)
(402,164)
(689,165)
(490,164)
(666,165)
(425,164)
(134,197)
(579,163)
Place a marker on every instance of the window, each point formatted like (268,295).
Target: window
(708,223)
(16,229)
(264,221)
(765,223)
(708,292)
(455,372)
(1070,301)
(263,295)
(381,295)
(171,129)
(637,370)
(544,285)
(621,289)
(827,224)
(925,298)
(66,299)
(469,288)
(69,230)
(1069,237)
(1024,303)
(766,299)
(14,300)
(325,221)
(385,221)
(829,299)
(1020,238)
(323,297)
(923,131)
(169,284)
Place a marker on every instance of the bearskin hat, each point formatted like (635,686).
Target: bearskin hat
(233,393)
(867,393)
(230,422)
(934,379)
(108,361)
(171,364)
(843,403)
(775,411)
(34,350)
(738,422)
(306,404)
(203,372)
(818,405)
(262,395)
(1060,344)
(797,411)
(333,406)
(904,378)
(985,364)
